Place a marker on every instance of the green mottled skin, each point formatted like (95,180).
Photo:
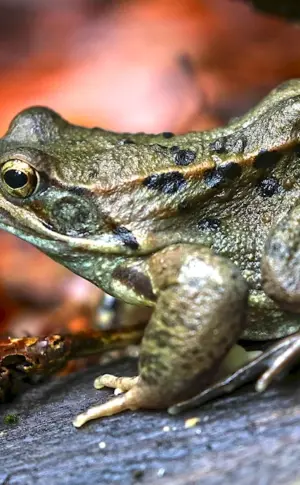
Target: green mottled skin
(99,210)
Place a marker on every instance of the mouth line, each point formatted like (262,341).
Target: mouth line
(44,238)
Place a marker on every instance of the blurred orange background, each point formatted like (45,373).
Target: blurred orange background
(131,65)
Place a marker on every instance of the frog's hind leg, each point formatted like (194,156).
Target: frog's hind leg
(280,271)
(265,367)
(200,312)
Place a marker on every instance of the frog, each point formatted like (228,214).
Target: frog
(202,228)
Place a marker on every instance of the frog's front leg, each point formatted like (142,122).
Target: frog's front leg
(200,312)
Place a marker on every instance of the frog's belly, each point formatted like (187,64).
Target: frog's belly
(266,320)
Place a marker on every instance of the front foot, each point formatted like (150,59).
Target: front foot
(137,395)
(266,367)
(113,406)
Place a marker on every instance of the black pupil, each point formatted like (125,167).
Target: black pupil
(15,179)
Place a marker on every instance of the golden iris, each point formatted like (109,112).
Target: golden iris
(19,179)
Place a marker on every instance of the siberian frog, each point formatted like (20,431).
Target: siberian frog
(203,227)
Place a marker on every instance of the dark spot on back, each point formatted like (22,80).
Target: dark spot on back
(167,134)
(209,223)
(126,236)
(231,170)
(174,149)
(184,157)
(221,174)
(268,187)
(266,159)
(167,183)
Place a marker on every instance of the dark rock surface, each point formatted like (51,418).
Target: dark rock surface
(242,439)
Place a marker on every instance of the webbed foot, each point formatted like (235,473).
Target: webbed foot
(266,367)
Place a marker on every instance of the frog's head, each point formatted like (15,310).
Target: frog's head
(60,184)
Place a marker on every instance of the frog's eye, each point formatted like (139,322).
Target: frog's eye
(18,178)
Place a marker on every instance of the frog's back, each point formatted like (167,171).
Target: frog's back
(223,188)
(220,188)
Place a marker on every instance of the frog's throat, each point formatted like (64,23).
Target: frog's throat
(53,243)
